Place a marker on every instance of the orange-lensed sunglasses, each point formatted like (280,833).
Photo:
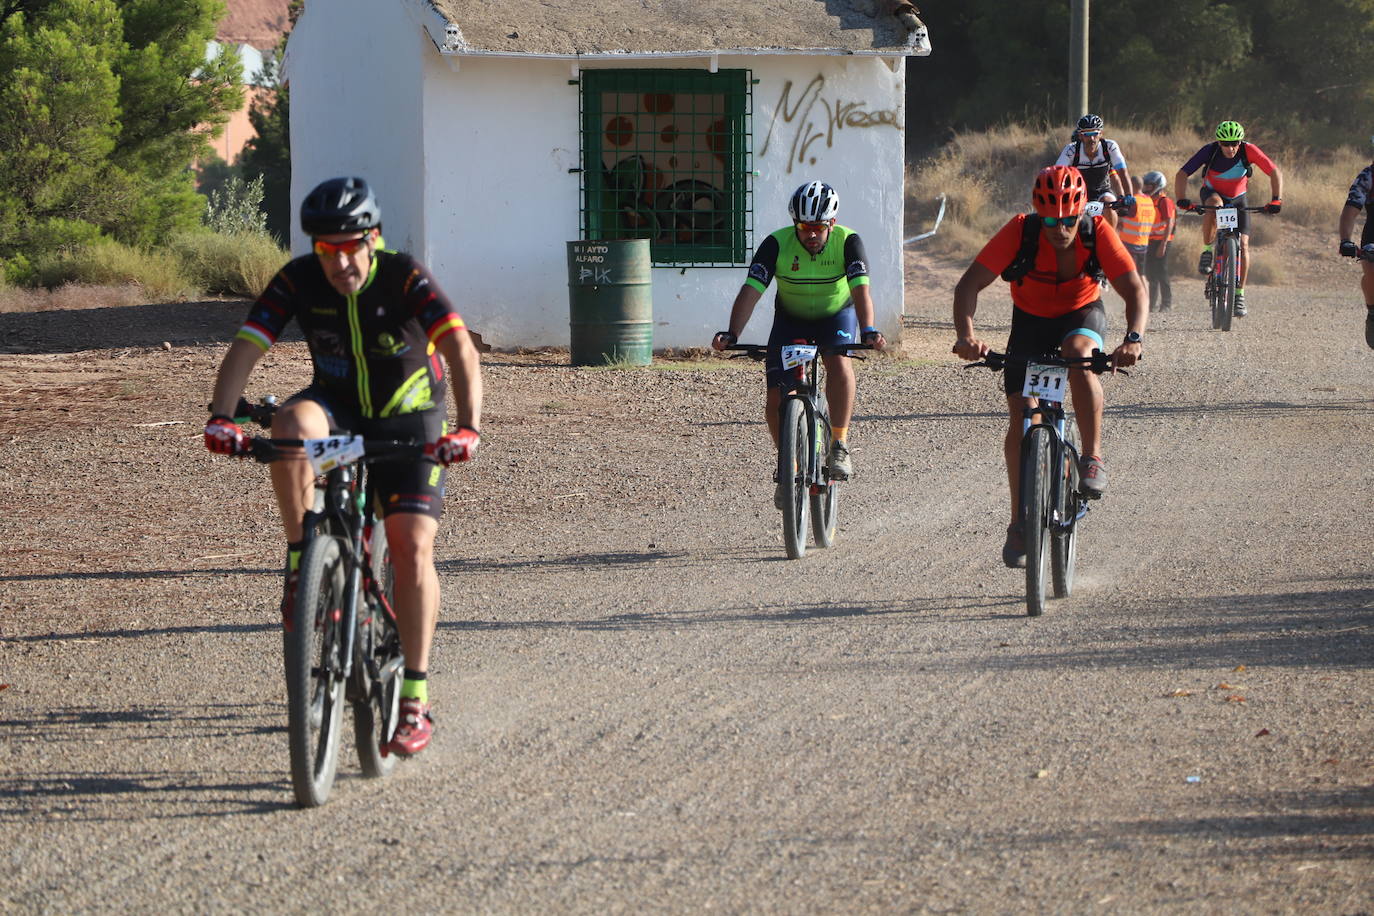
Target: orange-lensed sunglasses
(348,247)
(813,227)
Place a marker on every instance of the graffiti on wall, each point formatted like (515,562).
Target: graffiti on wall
(817,118)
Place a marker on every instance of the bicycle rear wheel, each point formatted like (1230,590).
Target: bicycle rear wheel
(1064,544)
(314,673)
(1229,266)
(376,712)
(1035,514)
(794,451)
(826,502)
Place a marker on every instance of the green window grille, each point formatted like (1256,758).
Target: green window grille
(666,156)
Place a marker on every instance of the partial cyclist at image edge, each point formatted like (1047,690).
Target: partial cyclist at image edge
(1361,197)
(822,297)
(1050,259)
(1227,164)
(1100,162)
(376,325)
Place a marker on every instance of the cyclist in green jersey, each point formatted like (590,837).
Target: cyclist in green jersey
(823,298)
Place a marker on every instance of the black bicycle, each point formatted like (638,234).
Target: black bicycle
(804,444)
(1052,503)
(1222,279)
(343,644)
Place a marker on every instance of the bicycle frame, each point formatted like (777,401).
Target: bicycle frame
(1053,418)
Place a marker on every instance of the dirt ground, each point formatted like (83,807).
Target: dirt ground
(643,706)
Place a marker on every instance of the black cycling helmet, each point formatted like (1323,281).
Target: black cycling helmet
(340,205)
(1090,122)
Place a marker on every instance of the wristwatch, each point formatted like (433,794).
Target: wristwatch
(1133,337)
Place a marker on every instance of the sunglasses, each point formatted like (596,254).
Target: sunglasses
(1053,221)
(813,227)
(1089,133)
(348,247)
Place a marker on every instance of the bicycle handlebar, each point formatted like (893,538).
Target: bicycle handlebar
(1196,209)
(265,449)
(759,351)
(1098,363)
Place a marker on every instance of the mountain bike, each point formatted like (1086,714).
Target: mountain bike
(804,444)
(343,644)
(1052,504)
(1220,288)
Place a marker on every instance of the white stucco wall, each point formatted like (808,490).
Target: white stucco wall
(472,166)
(354,68)
(503,203)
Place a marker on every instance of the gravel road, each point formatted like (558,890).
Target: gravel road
(643,706)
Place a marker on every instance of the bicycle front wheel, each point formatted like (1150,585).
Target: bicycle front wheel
(1035,514)
(1064,543)
(381,668)
(827,500)
(314,672)
(1229,266)
(794,453)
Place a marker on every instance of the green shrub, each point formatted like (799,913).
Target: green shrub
(112,263)
(236,264)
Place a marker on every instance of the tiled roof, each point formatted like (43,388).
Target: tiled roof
(588,27)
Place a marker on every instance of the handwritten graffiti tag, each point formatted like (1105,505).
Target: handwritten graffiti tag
(830,118)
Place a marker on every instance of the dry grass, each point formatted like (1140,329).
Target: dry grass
(109,263)
(70,296)
(986,179)
(238,264)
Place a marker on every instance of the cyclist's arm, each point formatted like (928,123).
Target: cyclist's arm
(1276,183)
(1348,214)
(465,368)
(976,279)
(233,375)
(743,308)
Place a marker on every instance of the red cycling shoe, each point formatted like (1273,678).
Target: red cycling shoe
(413,732)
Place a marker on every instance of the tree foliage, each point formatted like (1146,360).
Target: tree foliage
(1296,72)
(268,154)
(104,107)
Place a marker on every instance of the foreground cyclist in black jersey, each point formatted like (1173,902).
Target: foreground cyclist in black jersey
(376,324)
(1361,197)
(823,298)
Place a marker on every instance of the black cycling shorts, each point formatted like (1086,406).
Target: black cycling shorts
(400,486)
(1032,335)
(836,330)
(1242,215)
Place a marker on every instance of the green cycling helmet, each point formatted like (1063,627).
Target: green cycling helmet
(1230,132)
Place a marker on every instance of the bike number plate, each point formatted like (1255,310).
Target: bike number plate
(1227,218)
(327,454)
(1048,382)
(794,355)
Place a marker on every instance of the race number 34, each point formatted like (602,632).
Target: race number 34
(1048,382)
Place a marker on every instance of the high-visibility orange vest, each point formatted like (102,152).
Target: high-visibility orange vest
(1135,230)
(1164,211)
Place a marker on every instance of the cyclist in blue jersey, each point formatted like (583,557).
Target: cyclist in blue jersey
(823,298)
(1361,197)
(376,323)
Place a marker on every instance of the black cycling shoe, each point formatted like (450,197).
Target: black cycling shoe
(1014,548)
(1369,328)
(1204,263)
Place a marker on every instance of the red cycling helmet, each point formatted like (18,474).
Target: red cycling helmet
(1059,191)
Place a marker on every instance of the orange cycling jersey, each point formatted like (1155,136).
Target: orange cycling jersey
(1040,292)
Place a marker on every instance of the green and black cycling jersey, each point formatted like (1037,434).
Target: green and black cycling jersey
(810,286)
(374,348)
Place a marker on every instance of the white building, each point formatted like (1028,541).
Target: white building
(496,132)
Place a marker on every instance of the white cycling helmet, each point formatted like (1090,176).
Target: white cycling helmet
(1152,181)
(814,202)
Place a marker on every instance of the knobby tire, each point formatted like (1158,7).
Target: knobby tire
(825,503)
(314,673)
(1229,267)
(1064,544)
(794,449)
(375,714)
(1035,515)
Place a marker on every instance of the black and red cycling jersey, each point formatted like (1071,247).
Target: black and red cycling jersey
(374,348)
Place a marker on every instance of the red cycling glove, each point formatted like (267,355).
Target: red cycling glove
(458,446)
(224,437)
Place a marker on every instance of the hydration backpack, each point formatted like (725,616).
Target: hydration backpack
(1024,262)
(1244,159)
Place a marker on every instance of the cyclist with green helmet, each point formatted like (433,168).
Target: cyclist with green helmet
(1226,167)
